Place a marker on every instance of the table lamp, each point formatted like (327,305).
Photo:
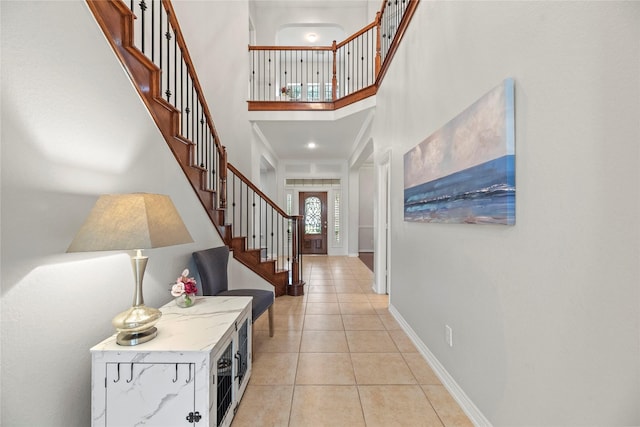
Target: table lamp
(132,222)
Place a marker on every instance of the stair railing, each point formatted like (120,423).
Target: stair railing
(328,77)
(158,36)
(266,229)
(146,36)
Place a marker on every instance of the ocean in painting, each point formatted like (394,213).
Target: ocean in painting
(482,194)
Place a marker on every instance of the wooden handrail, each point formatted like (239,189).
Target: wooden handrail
(356,35)
(290,47)
(255,189)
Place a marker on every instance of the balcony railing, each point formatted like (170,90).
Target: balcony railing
(324,75)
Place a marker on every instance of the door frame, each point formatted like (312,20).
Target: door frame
(382,230)
(324,217)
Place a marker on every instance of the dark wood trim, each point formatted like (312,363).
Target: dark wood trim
(313,106)
(323,48)
(290,106)
(296,289)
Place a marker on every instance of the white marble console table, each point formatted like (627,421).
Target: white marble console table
(193,373)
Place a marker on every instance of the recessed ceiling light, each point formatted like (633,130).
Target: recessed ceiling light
(311,145)
(312,37)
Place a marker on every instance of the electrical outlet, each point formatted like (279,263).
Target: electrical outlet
(448,335)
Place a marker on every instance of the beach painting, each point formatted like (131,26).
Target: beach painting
(465,171)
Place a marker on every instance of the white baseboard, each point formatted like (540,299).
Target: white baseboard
(469,408)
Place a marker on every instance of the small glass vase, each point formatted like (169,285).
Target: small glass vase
(186,300)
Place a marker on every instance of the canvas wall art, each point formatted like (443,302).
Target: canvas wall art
(465,171)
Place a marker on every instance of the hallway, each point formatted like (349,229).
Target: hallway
(339,358)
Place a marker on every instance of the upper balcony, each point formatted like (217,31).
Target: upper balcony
(327,78)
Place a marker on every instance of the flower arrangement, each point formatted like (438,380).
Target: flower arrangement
(184,288)
(285,91)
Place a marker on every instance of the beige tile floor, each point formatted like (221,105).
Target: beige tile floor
(339,358)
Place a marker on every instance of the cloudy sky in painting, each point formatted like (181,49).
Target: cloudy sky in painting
(475,136)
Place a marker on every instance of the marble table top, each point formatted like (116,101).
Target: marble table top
(196,328)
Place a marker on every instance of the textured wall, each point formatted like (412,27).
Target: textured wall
(545,313)
(73,128)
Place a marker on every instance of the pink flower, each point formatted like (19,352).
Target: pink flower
(177,289)
(184,285)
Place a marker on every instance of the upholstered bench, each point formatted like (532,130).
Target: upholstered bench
(212,268)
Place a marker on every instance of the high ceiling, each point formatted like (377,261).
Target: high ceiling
(334,139)
(288,23)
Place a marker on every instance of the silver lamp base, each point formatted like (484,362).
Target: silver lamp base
(135,338)
(136,325)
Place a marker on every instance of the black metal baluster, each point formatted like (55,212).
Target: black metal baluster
(284,76)
(167,36)
(349,67)
(209,163)
(233,207)
(187,110)
(398,17)
(301,75)
(160,37)
(259,222)
(197,125)
(175,71)
(143,8)
(203,144)
(153,25)
(252,60)
(193,112)
(214,167)
(269,94)
(364,45)
(181,94)
(202,136)
(247,204)
(253,218)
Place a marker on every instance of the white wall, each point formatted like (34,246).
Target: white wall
(73,128)
(367,179)
(545,314)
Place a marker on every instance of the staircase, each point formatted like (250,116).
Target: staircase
(151,47)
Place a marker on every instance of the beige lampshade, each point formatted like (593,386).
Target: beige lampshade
(131,221)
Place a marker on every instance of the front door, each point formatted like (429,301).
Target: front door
(313,208)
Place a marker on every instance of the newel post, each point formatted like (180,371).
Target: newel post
(295,248)
(296,287)
(378,44)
